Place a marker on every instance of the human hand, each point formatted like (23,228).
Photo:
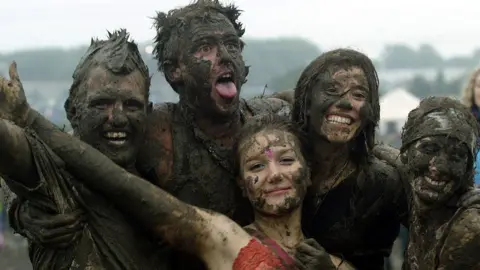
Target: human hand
(13,102)
(310,255)
(50,230)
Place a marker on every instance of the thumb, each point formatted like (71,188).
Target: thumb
(12,71)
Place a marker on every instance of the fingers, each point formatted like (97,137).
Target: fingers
(12,72)
(61,241)
(312,242)
(61,220)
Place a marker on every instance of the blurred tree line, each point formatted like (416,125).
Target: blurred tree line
(273,62)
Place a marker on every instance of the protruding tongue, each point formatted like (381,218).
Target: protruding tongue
(226,89)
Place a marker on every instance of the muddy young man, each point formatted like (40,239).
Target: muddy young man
(439,144)
(107,108)
(188,149)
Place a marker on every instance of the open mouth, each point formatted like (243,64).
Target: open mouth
(225,86)
(432,188)
(116,138)
(337,119)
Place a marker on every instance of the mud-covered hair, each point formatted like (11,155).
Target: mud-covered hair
(267,122)
(339,59)
(118,54)
(467,92)
(170,27)
(464,125)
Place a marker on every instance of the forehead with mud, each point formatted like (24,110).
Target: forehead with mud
(281,127)
(117,55)
(171,28)
(441,116)
(322,68)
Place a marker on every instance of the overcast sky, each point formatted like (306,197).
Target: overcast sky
(451,26)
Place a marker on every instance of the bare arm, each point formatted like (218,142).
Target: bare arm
(16,160)
(209,235)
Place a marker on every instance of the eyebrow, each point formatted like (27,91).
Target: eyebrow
(260,153)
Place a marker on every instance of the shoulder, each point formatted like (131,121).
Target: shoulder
(382,171)
(262,105)
(155,157)
(462,244)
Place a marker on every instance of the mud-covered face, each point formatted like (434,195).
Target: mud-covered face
(111,113)
(338,104)
(437,166)
(476,91)
(273,172)
(211,69)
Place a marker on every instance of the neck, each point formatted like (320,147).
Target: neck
(215,126)
(329,157)
(286,230)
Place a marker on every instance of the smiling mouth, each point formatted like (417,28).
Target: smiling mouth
(337,119)
(278,191)
(431,188)
(225,86)
(116,138)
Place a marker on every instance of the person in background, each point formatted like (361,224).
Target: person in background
(471,98)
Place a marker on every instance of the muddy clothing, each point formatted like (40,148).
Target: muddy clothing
(183,161)
(359,219)
(109,241)
(450,246)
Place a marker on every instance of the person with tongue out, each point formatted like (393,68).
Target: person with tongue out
(188,148)
(439,144)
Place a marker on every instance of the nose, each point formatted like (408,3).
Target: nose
(118,117)
(274,173)
(432,168)
(223,56)
(344,103)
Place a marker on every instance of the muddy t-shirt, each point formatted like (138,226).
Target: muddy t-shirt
(109,241)
(359,219)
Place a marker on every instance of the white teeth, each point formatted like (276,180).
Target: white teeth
(226,75)
(116,135)
(434,182)
(339,119)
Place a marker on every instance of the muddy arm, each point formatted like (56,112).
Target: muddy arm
(16,160)
(460,249)
(182,225)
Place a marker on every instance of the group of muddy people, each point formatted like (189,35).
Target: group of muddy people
(295,180)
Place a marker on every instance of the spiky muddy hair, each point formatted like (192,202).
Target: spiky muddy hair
(170,27)
(118,54)
(337,59)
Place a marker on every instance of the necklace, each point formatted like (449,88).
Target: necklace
(222,156)
(320,198)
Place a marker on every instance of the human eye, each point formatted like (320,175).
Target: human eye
(256,167)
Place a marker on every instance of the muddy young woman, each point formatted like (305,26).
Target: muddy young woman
(356,202)
(272,173)
(439,143)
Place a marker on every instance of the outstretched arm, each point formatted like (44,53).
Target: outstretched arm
(209,235)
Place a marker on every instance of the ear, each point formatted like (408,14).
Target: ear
(241,185)
(149,107)
(172,72)
(403,157)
